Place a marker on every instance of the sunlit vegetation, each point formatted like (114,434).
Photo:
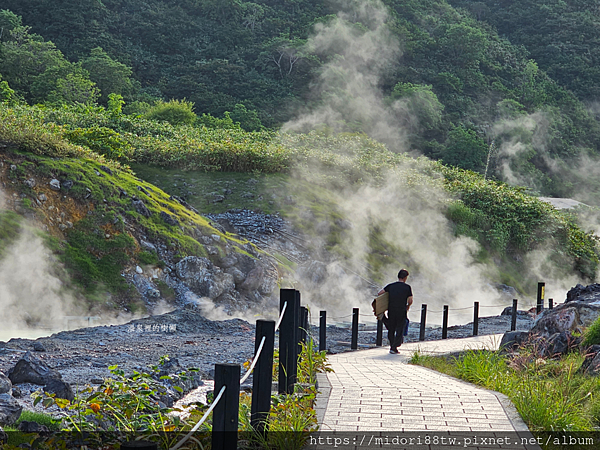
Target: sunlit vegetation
(550,394)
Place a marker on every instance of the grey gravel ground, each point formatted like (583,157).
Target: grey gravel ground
(83,356)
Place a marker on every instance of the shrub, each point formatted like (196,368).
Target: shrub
(592,334)
(176,112)
(103,141)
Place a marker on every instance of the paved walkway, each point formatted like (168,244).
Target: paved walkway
(372,390)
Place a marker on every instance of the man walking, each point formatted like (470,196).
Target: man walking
(400,299)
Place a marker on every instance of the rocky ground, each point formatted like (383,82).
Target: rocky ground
(83,356)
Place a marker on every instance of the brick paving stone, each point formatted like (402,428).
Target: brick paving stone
(373,389)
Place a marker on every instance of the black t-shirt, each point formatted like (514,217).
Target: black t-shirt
(399,293)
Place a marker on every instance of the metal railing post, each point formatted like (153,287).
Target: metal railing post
(354,342)
(513,321)
(540,297)
(445,323)
(322,331)
(475,318)
(288,341)
(423,320)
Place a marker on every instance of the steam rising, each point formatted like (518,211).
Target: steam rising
(410,217)
(348,85)
(30,295)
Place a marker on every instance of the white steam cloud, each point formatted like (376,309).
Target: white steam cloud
(444,269)
(348,85)
(30,295)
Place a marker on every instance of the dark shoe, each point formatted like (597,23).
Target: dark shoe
(393,351)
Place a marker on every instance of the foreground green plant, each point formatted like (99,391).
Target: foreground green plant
(549,394)
(129,405)
(122,405)
(592,334)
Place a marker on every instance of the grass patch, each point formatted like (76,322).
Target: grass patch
(592,333)
(549,394)
(10,227)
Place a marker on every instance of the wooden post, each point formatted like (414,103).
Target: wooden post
(379,336)
(262,376)
(226,412)
(423,319)
(513,321)
(288,342)
(354,342)
(550,303)
(475,318)
(445,323)
(540,297)
(322,331)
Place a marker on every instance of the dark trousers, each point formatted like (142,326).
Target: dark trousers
(395,325)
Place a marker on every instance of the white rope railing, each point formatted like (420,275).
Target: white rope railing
(254,361)
(201,421)
(281,316)
(242,380)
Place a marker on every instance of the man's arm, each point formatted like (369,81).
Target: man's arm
(381,292)
(409,301)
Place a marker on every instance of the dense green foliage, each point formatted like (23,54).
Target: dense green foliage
(457,87)
(564,38)
(125,404)
(504,219)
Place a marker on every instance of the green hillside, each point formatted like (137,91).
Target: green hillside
(319,170)
(455,86)
(562,37)
(322,110)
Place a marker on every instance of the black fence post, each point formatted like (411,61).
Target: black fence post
(322,331)
(550,303)
(475,318)
(423,319)
(379,336)
(445,323)
(262,376)
(354,342)
(513,320)
(288,342)
(540,297)
(226,412)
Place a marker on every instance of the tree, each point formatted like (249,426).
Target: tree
(111,77)
(465,149)
(7,95)
(285,54)
(26,57)
(248,120)
(8,22)
(420,104)
(74,89)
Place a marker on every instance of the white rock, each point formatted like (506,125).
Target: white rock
(138,269)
